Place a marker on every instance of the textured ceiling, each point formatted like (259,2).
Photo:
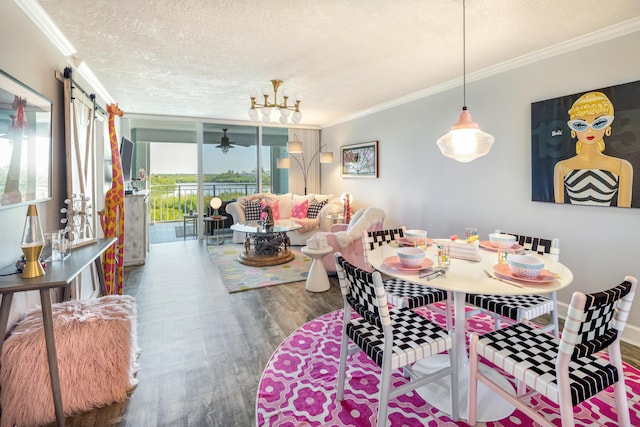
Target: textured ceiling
(202,58)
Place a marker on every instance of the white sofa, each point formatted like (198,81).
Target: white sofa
(283,206)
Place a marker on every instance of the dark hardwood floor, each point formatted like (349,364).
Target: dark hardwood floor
(203,350)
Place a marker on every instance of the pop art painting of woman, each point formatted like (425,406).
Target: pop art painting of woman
(585,148)
(591,177)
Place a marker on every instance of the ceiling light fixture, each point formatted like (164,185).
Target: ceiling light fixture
(295,147)
(465,141)
(278,103)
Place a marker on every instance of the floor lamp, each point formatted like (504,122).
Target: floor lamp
(295,147)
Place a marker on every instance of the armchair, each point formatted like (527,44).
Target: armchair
(347,238)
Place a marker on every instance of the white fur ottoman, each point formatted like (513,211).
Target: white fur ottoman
(97,358)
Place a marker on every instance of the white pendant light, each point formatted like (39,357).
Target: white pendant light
(465,141)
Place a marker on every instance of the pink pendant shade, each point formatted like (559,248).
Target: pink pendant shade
(465,141)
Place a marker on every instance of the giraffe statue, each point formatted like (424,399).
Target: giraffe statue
(112,218)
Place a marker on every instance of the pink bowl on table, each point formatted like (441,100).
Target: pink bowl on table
(502,241)
(526,266)
(411,257)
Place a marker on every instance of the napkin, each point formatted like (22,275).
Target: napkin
(462,249)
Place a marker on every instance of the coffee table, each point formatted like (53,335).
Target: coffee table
(266,245)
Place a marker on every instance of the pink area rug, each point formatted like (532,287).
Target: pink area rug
(298,387)
(238,277)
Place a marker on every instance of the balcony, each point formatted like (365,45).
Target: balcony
(168,204)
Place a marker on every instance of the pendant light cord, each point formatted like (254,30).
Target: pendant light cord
(464,56)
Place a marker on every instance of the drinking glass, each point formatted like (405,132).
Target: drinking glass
(444,255)
(471,231)
(503,254)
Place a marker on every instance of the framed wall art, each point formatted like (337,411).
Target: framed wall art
(25,144)
(359,160)
(585,148)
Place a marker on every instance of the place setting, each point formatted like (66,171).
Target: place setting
(499,241)
(409,259)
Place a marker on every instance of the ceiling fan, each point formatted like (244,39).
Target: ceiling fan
(225,144)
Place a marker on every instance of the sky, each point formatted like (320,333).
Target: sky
(170,158)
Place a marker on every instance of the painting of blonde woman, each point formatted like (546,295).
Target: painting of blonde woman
(588,158)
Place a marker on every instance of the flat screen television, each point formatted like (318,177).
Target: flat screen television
(126,159)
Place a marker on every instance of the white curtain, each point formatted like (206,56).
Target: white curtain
(310,139)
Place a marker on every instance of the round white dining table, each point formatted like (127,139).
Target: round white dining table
(462,277)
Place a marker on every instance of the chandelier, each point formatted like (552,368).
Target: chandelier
(465,141)
(278,102)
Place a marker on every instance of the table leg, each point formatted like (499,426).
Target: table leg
(5,308)
(437,393)
(52,357)
(100,274)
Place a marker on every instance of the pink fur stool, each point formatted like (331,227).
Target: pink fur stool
(97,359)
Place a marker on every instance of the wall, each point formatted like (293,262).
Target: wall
(420,188)
(29,57)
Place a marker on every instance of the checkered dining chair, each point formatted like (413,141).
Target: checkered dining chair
(513,308)
(403,293)
(566,371)
(392,338)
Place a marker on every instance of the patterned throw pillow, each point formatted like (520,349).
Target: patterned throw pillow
(275,209)
(252,210)
(300,210)
(315,207)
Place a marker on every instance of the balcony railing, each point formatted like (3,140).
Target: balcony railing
(172,202)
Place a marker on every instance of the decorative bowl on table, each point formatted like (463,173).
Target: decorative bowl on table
(411,257)
(502,241)
(419,237)
(525,266)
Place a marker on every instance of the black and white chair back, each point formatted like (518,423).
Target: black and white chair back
(510,309)
(392,338)
(566,371)
(402,293)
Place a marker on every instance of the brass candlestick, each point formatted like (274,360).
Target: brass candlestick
(32,244)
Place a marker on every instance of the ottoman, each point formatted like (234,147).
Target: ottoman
(97,353)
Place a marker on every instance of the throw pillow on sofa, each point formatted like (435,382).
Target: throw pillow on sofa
(315,207)
(300,210)
(275,209)
(252,210)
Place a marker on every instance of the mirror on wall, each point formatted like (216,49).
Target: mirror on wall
(25,144)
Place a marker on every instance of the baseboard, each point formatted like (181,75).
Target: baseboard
(630,335)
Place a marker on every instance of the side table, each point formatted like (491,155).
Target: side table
(317,280)
(216,230)
(193,219)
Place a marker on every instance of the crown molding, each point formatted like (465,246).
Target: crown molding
(608,33)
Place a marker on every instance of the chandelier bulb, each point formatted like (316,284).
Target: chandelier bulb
(283,120)
(266,112)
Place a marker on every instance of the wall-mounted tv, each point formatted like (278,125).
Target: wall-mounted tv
(126,159)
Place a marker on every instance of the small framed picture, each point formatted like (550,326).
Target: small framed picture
(359,160)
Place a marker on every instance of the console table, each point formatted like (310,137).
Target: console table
(58,274)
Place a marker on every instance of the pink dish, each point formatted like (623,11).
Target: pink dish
(394,262)
(405,241)
(486,245)
(502,270)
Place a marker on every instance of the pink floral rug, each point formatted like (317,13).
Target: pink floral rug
(298,387)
